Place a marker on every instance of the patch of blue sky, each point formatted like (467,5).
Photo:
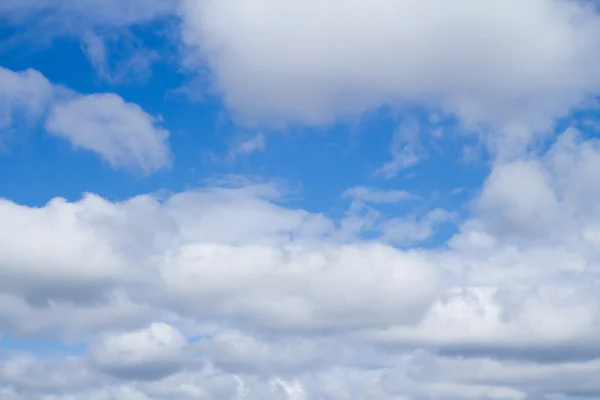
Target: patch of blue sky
(42,348)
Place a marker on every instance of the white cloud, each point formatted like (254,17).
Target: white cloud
(298,288)
(378,196)
(95,50)
(292,390)
(499,62)
(30,374)
(133,65)
(24,94)
(412,229)
(93,22)
(121,133)
(241,353)
(148,353)
(203,255)
(366,216)
(525,266)
(47,320)
(406,150)
(57,251)
(533,196)
(244,148)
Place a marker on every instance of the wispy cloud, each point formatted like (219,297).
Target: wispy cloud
(246,147)
(118,59)
(378,196)
(406,149)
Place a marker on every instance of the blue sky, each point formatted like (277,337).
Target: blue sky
(298,200)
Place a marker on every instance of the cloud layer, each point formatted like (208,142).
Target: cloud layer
(282,308)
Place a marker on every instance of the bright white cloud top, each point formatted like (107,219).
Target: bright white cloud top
(237,287)
(121,133)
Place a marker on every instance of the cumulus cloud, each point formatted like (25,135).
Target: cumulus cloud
(496,62)
(243,353)
(520,291)
(63,256)
(414,229)
(261,277)
(31,375)
(149,353)
(299,289)
(120,132)
(291,277)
